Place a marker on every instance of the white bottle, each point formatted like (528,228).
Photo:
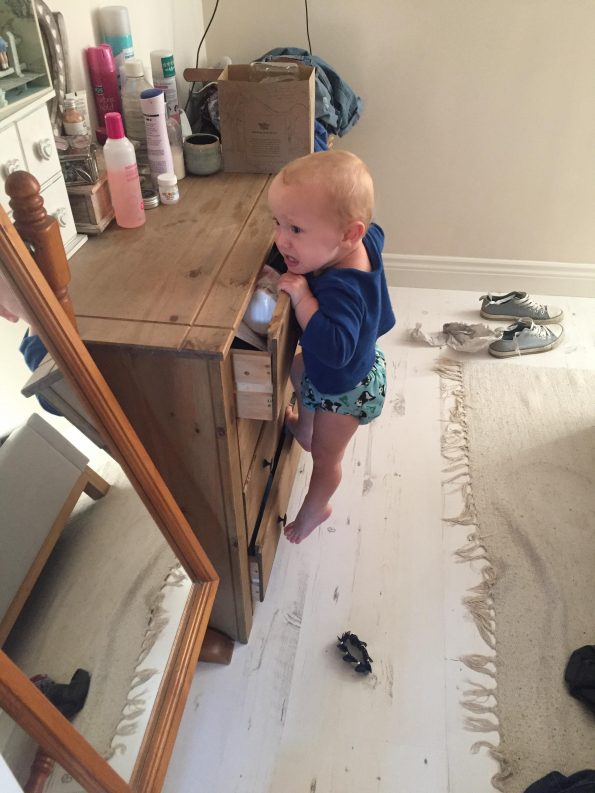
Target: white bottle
(133,114)
(122,175)
(163,72)
(169,192)
(158,149)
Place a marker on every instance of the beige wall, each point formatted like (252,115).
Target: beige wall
(155,24)
(479,124)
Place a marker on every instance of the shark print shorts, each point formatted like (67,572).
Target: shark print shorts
(365,401)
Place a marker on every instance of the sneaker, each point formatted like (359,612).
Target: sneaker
(526,337)
(516,305)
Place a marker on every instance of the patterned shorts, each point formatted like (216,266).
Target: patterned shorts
(365,401)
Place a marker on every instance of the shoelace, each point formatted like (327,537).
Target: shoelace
(536,330)
(533,305)
(539,309)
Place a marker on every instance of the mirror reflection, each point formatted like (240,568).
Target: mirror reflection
(106,591)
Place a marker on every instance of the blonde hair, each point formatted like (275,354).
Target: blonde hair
(343,175)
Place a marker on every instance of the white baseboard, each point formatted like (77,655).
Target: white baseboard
(491,275)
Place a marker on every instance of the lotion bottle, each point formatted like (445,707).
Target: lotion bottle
(122,175)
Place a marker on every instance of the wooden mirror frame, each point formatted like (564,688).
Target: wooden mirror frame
(18,695)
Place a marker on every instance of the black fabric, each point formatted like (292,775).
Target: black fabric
(580,675)
(555,782)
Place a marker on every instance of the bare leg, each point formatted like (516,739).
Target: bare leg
(332,433)
(301,422)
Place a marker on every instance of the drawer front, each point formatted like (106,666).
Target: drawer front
(275,513)
(262,467)
(11,159)
(37,140)
(55,199)
(260,377)
(252,372)
(263,462)
(282,341)
(248,434)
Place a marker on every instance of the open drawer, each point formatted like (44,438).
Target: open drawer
(263,463)
(274,517)
(260,377)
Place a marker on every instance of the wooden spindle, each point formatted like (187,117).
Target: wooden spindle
(41,768)
(42,232)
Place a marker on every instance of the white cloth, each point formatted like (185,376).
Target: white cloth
(459,336)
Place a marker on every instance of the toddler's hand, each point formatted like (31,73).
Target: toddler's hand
(296,287)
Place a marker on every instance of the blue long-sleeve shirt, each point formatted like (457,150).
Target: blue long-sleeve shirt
(339,341)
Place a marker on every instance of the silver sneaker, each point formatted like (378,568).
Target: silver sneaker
(526,337)
(517,305)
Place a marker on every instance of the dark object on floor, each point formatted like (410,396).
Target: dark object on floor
(217,648)
(69,698)
(580,675)
(581,782)
(355,652)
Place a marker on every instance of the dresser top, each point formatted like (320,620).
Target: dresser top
(183,280)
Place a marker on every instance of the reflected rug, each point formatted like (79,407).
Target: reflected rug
(98,605)
(520,443)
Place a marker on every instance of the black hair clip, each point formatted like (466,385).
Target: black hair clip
(355,652)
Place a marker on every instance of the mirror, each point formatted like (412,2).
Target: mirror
(19,697)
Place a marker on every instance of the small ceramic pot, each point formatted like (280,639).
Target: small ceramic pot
(202,153)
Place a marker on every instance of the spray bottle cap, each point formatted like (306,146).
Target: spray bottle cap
(114,126)
(162,64)
(101,60)
(134,68)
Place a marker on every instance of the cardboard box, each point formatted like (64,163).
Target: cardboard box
(265,123)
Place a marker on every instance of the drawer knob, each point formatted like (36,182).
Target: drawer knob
(10,166)
(45,149)
(283,519)
(61,216)
(266,463)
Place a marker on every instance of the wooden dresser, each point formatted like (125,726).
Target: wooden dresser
(158,308)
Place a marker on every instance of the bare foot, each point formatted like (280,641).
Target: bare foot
(300,431)
(304,525)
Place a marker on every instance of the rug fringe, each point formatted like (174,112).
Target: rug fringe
(495,751)
(135,704)
(478,601)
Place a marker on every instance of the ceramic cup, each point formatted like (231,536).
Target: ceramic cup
(202,153)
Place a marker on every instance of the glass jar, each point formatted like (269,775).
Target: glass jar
(72,119)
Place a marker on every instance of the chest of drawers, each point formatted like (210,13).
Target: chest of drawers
(158,308)
(27,144)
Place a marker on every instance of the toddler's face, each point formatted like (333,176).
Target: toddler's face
(308,235)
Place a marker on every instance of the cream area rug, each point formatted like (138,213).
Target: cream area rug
(520,442)
(98,605)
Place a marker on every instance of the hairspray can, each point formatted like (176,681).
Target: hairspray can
(152,102)
(102,71)
(115,31)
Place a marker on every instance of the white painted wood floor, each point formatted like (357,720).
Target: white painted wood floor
(288,714)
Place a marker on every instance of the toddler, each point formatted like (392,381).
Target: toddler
(322,206)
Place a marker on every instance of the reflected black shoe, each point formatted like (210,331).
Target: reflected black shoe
(68,698)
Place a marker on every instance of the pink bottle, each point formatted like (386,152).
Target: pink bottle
(104,79)
(122,175)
